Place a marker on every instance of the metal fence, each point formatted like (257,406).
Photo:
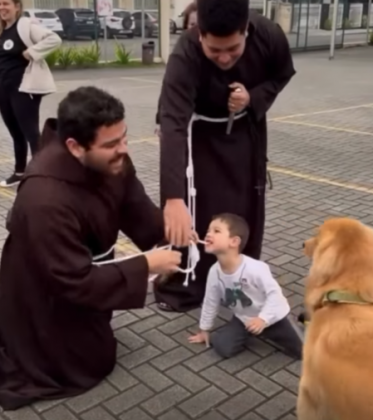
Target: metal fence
(307,23)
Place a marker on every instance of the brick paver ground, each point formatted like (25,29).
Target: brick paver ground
(321,142)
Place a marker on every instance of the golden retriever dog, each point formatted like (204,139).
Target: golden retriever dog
(337,373)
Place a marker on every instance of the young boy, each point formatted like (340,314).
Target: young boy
(248,288)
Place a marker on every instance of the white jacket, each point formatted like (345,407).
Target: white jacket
(40,42)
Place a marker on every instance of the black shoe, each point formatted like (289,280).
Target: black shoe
(13,180)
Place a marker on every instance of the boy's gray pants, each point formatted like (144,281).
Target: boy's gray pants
(231,339)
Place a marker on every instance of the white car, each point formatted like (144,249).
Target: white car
(46,18)
(120,23)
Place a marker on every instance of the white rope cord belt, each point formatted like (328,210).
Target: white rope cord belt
(193,252)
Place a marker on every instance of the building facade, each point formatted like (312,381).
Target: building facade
(56,4)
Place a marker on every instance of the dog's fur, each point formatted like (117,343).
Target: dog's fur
(337,373)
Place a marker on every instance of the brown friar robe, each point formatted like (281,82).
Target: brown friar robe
(55,305)
(230,170)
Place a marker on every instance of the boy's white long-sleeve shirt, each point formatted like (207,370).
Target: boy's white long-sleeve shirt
(250,292)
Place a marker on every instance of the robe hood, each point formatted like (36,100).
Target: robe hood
(55,161)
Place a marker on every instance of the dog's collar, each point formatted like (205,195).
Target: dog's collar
(342,296)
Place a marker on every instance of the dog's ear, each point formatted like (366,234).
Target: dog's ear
(326,262)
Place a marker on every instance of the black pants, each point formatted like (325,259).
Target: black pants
(231,339)
(20,112)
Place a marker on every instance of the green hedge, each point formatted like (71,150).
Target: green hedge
(67,57)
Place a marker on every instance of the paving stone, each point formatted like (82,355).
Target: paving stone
(147,324)
(123,320)
(42,406)
(182,338)
(171,358)
(138,357)
(135,414)
(165,400)
(129,399)
(160,340)
(187,379)
(129,339)
(91,398)
(239,362)
(241,403)
(122,379)
(59,413)
(152,377)
(287,380)
(272,363)
(22,414)
(174,415)
(279,405)
(177,325)
(203,402)
(202,361)
(97,413)
(222,380)
(212,415)
(143,313)
(259,382)
(252,416)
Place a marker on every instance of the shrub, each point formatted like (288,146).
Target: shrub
(328,24)
(65,57)
(52,58)
(346,23)
(122,56)
(87,56)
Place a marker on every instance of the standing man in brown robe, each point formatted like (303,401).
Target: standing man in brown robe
(234,62)
(56,301)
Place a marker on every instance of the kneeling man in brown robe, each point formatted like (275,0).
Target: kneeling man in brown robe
(56,302)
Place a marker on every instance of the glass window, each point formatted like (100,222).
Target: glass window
(51,4)
(45,15)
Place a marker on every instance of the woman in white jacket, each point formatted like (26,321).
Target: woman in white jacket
(24,78)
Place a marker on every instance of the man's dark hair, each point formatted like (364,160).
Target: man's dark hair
(84,111)
(222,18)
(237,226)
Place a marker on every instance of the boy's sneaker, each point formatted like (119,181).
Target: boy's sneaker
(13,180)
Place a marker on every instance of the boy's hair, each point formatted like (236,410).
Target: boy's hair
(237,226)
(222,18)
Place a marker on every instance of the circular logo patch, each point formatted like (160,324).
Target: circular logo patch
(8,45)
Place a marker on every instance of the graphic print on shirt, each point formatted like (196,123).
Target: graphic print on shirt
(8,45)
(236,294)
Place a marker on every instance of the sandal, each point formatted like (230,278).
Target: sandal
(164,307)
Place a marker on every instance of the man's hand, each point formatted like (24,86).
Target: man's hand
(255,325)
(162,261)
(178,223)
(200,338)
(27,55)
(239,99)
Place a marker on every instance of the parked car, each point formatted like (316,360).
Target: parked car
(46,18)
(121,23)
(151,24)
(79,22)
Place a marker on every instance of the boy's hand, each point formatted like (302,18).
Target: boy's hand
(200,338)
(255,325)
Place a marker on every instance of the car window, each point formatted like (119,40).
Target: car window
(45,15)
(137,15)
(84,13)
(121,14)
(26,14)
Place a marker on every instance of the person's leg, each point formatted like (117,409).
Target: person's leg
(287,335)
(230,340)
(19,141)
(27,111)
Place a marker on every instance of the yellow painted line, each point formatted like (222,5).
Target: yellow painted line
(325,127)
(319,179)
(325,111)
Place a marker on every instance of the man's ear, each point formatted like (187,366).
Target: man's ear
(74,148)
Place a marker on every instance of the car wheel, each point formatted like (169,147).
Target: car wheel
(70,34)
